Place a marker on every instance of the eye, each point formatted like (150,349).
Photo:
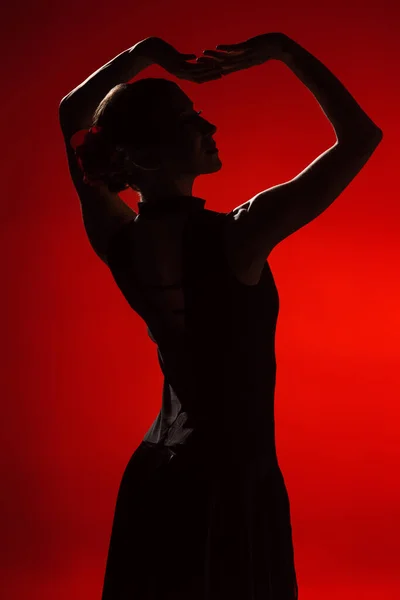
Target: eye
(192,116)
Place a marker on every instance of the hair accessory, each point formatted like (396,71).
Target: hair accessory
(79,139)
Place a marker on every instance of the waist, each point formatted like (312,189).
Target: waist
(217,454)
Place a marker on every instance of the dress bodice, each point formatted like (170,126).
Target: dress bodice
(215,336)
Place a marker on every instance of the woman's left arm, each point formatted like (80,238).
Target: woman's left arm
(349,120)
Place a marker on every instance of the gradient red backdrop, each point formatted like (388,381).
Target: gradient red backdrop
(80,378)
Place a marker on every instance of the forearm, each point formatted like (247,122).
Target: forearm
(348,119)
(80,104)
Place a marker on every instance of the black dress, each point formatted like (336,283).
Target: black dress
(202,511)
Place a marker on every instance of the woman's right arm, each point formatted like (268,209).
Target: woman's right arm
(103,212)
(76,108)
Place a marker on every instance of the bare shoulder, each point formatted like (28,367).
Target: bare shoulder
(253,229)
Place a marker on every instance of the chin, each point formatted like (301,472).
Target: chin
(218,165)
(213,165)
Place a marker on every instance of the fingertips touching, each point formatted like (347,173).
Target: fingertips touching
(230,48)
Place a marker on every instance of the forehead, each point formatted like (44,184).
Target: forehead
(178,101)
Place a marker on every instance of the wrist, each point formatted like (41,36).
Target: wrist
(286,49)
(141,54)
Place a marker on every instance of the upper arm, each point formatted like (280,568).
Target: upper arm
(103,211)
(254,228)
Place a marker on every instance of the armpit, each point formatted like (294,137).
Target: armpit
(235,239)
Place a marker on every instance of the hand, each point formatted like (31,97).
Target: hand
(254,51)
(160,52)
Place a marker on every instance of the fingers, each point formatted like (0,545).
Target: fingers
(200,72)
(206,70)
(207,66)
(221,55)
(218,59)
(203,78)
(210,77)
(232,47)
(208,60)
(234,62)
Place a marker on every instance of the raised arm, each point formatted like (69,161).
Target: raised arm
(350,122)
(257,226)
(77,107)
(103,212)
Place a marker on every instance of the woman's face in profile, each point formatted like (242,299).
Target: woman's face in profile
(189,147)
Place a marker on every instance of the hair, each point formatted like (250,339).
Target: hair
(126,118)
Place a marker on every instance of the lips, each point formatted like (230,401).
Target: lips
(210,146)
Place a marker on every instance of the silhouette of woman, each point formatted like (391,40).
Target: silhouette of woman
(202,511)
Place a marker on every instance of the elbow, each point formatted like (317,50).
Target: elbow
(70,119)
(375,139)
(64,109)
(366,137)
(66,101)
(63,105)
(69,107)
(62,112)
(379,135)
(376,134)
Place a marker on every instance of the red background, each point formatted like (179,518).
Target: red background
(81,382)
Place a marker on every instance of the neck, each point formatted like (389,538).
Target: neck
(171,205)
(168,189)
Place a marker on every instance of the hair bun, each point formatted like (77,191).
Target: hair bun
(100,160)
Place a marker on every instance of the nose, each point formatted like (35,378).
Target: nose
(208,128)
(213,128)
(208,132)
